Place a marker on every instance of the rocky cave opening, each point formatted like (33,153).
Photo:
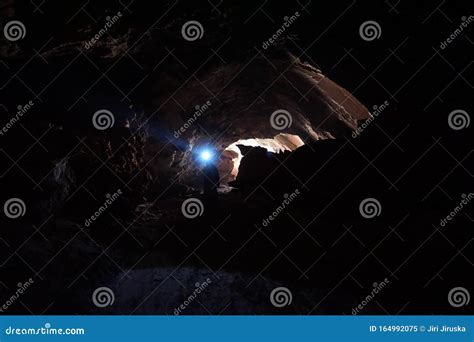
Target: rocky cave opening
(231,156)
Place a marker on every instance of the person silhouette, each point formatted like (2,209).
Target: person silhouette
(211,181)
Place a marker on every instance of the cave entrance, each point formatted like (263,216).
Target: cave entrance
(231,157)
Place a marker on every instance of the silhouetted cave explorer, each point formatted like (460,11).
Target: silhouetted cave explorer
(210,179)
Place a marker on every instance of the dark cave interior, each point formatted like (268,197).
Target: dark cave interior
(277,122)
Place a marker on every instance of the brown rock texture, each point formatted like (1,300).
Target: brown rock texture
(236,101)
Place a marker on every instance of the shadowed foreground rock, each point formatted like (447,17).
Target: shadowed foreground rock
(171,291)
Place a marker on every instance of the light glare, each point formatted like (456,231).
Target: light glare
(206,155)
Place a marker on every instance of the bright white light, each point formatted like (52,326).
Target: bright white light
(206,155)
